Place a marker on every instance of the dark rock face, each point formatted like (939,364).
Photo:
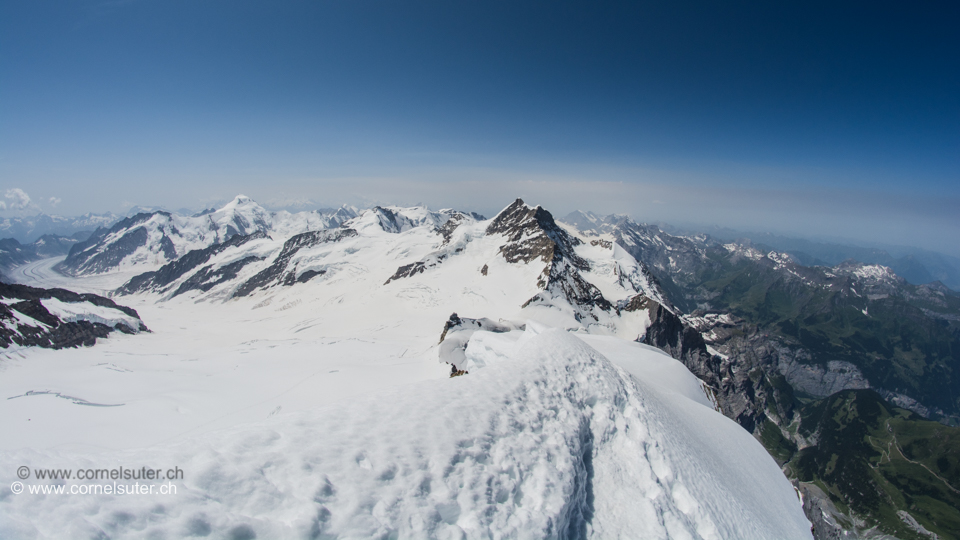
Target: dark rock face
(434,259)
(533,234)
(743,388)
(391,221)
(408,270)
(820,511)
(561,278)
(636,303)
(51,332)
(673,260)
(91,257)
(207,278)
(778,327)
(204,280)
(446,231)
(668,333)
(50,245)
(291,278)
(848,326)
(453,322)
(161,234)
(34,293)
(279,272)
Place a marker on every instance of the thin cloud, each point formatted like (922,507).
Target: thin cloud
(19,200)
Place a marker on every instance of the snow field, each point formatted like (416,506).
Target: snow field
(550,439)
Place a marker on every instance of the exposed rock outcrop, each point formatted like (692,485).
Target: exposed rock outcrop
(58,318)
(532,234)
(391,221)
(745,388)
(204,279)
(107,248)
(448,248)
(280,271)
(821,380)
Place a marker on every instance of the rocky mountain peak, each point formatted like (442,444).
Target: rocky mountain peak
(106,248)
(532,233)
(242,215)
(390,221)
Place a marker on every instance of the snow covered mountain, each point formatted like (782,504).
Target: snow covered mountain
(569,282)
(302,383)
(149,240)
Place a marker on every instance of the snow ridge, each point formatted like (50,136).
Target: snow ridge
(57,318)
(549,440)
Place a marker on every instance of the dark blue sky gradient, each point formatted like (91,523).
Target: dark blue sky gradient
(173,102)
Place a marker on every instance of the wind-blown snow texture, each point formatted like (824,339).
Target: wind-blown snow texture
(549,440)
(320,407)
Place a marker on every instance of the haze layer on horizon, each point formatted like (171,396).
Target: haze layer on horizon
(809,119)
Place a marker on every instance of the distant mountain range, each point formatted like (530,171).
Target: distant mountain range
(27,230)
(917,266)
(13,253)
(156,238)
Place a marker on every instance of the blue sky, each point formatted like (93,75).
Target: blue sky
(806,118)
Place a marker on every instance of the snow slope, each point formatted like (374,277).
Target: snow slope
(321,409)
(549,440)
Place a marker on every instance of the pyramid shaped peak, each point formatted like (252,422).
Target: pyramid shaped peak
(240,200)
(518,203)
(519,215)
